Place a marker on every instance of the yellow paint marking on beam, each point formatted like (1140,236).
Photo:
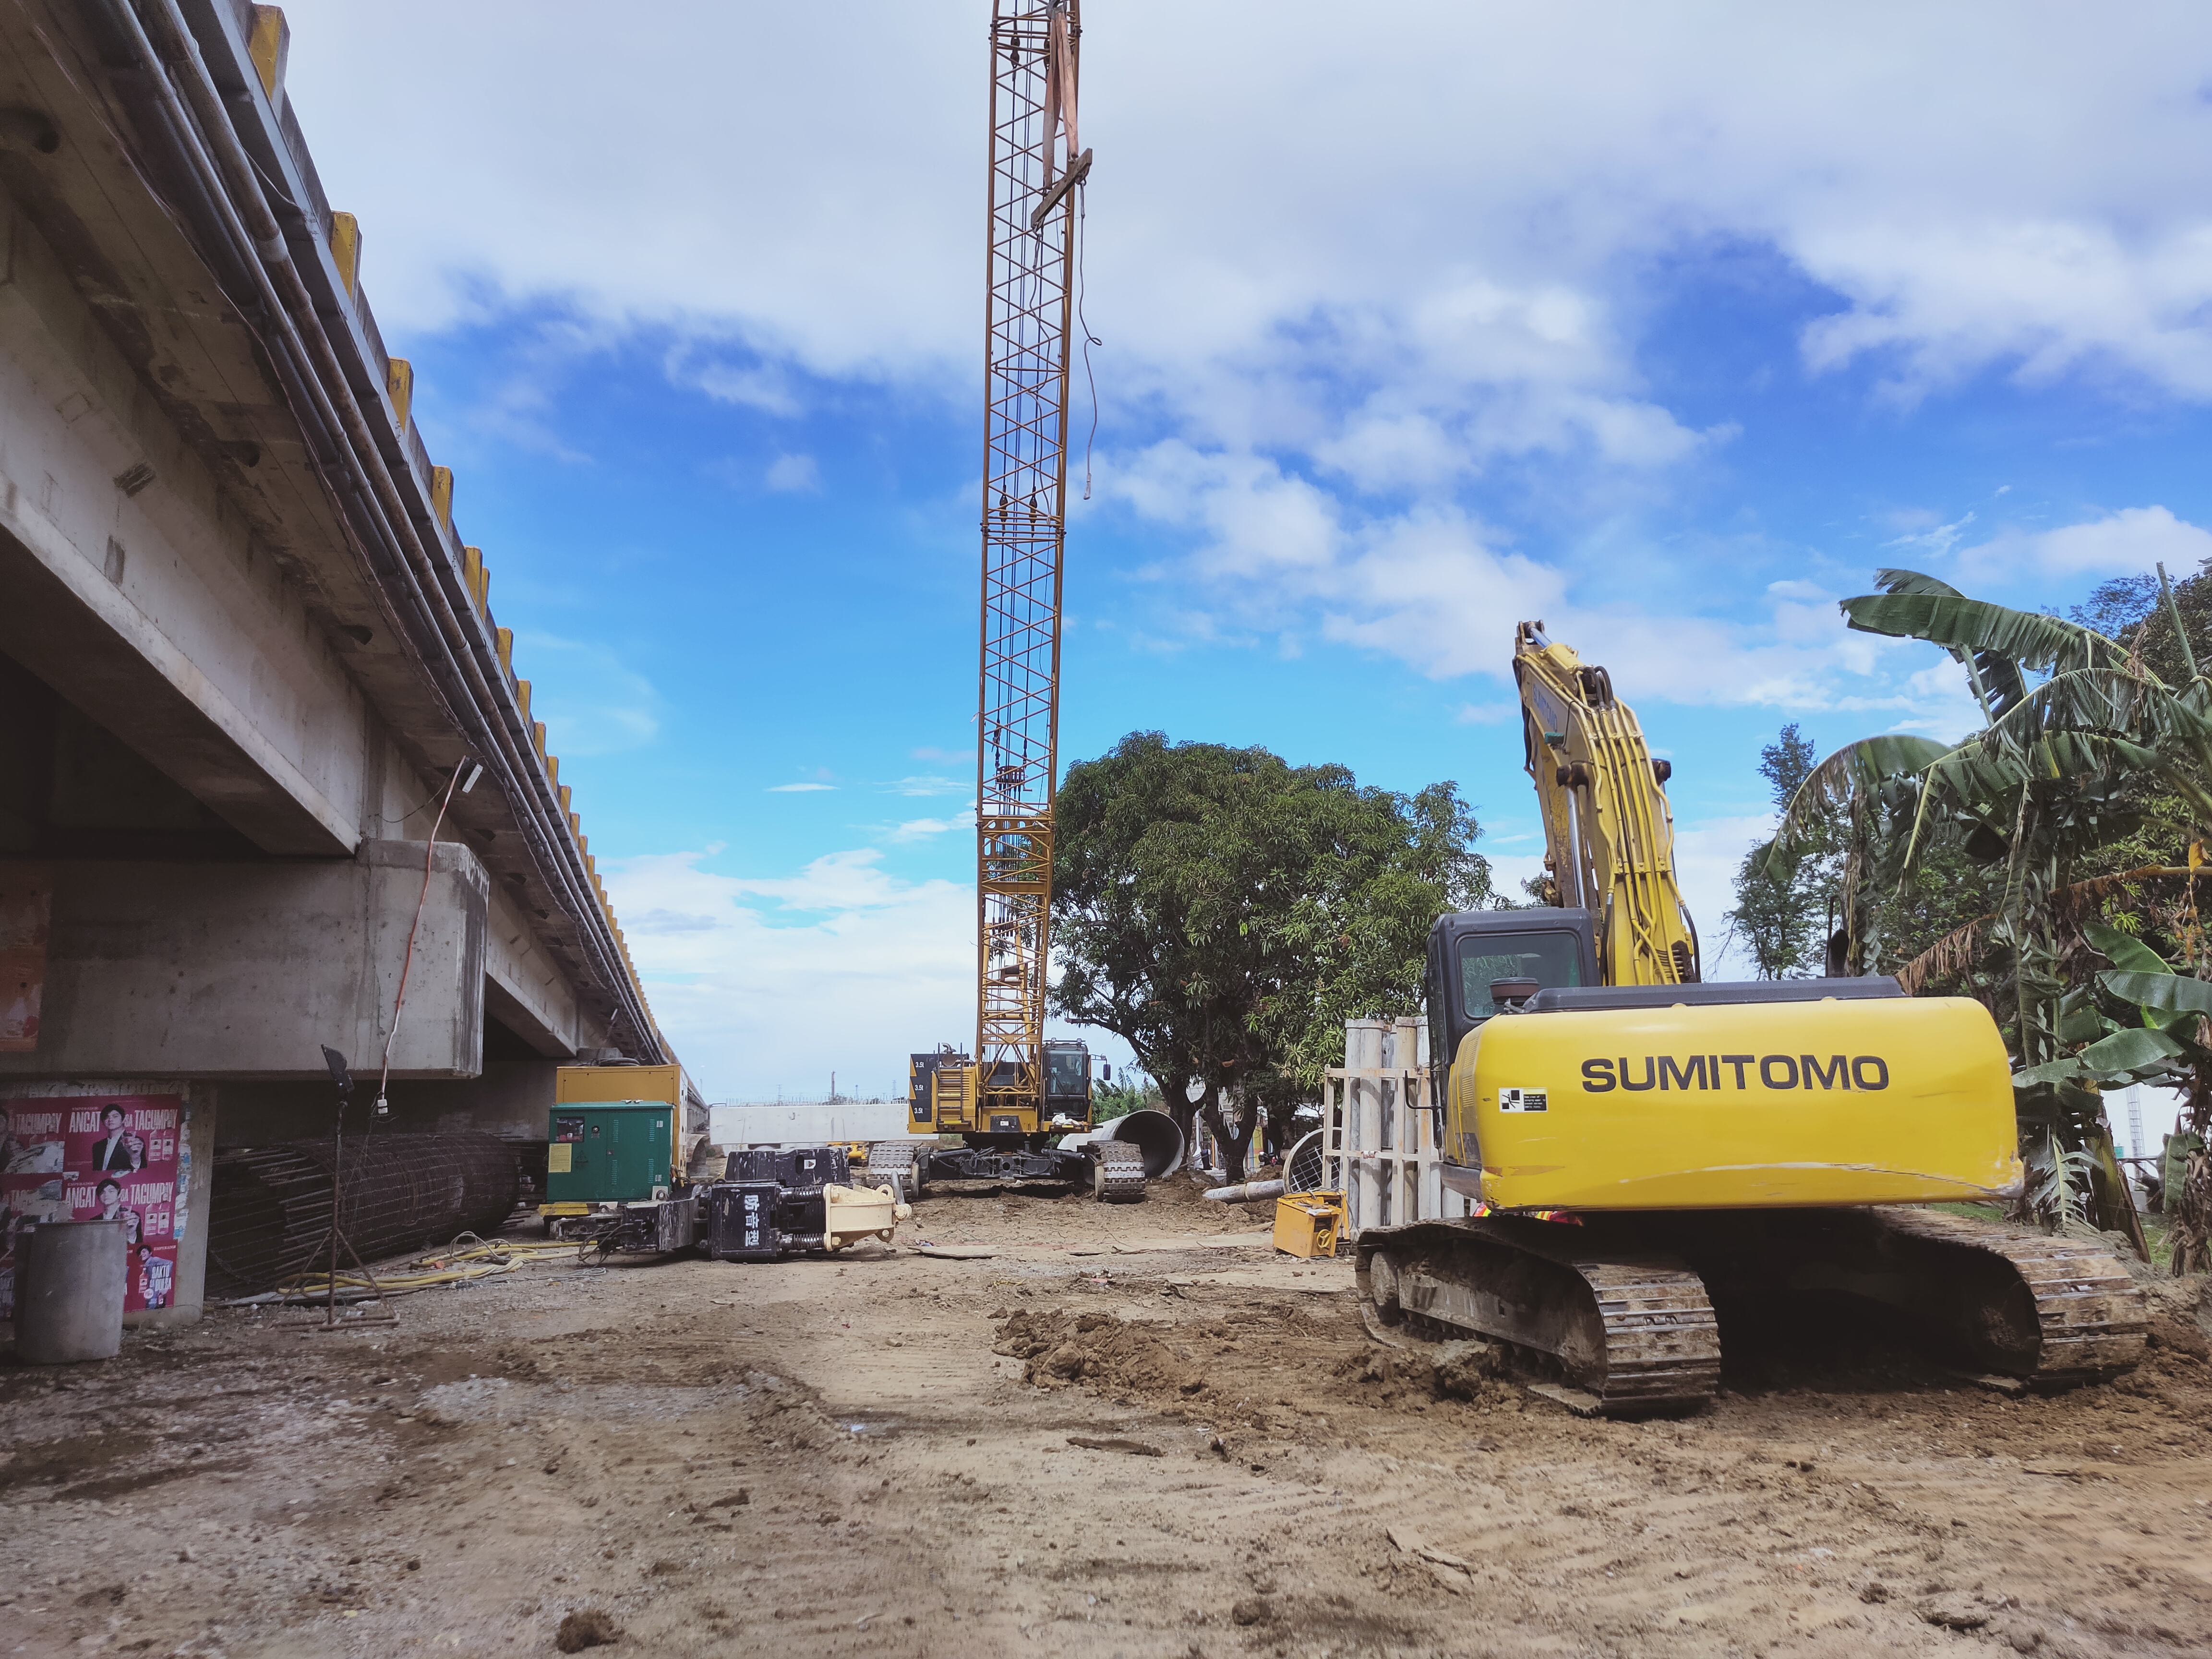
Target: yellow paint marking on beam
(472,575)
(538,735)
(564,800)
(503,640)
(441,495)
(522,698)
(269,43)
(345,248)
(553,770)
(399,386)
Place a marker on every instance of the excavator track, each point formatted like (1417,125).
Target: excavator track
(2071,1314)
(1620,1309)
(1630,1333)
(1117,1171)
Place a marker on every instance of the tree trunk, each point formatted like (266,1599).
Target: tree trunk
(2112,1209)
(1231,1135)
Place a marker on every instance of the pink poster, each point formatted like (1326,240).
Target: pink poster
(91,1157)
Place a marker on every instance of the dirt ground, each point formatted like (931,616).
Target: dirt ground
(1132,1431)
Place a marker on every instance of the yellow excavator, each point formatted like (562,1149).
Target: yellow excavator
(1649,1159)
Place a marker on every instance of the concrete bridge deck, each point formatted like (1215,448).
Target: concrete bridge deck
(244,649)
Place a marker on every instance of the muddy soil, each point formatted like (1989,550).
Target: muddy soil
(1131,1430)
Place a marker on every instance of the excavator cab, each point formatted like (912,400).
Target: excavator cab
(1475,957)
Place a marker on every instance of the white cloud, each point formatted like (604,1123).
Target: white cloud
(798,789)
(796,473)
(2133,540)
(932,785)
(761,983)
(1976,191)
(1486,713)
(1937,540)
(1430,587)
(924,829)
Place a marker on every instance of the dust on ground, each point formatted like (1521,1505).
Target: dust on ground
(1132,1431)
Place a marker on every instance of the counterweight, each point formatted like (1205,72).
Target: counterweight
(1036,172)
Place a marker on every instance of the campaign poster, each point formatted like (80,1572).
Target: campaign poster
(94,1157)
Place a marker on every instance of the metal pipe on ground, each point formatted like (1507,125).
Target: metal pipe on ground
(1250,1189)
(270,1218)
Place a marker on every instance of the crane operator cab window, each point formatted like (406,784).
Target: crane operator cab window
(1067,1080)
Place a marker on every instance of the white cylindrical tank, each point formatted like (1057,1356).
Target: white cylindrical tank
(69,1291)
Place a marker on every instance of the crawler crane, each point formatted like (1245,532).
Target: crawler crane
(1649,1158)
(1016,1090)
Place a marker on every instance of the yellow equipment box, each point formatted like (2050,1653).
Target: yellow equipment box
(1728,1105)
(1307,1223)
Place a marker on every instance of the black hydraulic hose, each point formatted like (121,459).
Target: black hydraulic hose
(242,216)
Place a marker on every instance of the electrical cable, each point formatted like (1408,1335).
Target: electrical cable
(407,962)
(1082,247)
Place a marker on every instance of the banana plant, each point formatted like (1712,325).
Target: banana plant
(2044,781)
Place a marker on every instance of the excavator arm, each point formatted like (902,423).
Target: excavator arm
(1608,833)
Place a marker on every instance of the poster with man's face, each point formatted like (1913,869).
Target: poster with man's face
(93,1157)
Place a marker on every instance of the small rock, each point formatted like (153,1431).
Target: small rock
(741,1495)
(1874,1591)
(587,1627)
(1251,1610)
(1953,1612)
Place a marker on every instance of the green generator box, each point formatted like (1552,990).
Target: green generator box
(610,1151)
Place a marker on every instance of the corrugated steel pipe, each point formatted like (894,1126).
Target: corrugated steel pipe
(270,1216)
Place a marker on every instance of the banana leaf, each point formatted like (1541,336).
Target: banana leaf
(1999,675)
(1957,623)
(2124,951)
(2131,1054)
(1856,769)
(2166,991)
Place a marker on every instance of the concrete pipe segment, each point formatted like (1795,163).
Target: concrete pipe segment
(1154,1135)
(69,1291)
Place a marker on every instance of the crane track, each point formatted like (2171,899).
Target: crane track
(1118,1171)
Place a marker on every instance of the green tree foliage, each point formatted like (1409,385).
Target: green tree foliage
(1224,912)
(1786,897)
(1132,1092)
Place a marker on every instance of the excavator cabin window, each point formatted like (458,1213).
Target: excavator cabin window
(1549,958)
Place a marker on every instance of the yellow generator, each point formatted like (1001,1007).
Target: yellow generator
(1306,1225)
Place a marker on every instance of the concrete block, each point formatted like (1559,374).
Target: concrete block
(244,970)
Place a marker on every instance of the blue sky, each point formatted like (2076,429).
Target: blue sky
(1668,329)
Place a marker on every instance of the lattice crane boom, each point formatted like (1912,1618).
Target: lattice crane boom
(1036,171)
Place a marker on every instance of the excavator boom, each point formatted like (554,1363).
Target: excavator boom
(1609,832)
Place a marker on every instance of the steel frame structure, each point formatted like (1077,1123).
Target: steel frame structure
(1032,252)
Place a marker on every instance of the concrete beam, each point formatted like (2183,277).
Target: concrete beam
(133,592)
(244,970)
(524,989)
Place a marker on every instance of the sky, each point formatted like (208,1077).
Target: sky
(1666,325)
